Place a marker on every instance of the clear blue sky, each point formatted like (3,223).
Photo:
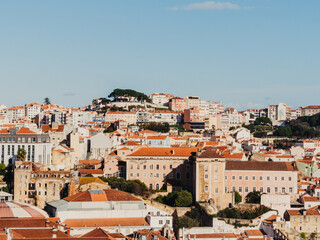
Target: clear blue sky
(245,53)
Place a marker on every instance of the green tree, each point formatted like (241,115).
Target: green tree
(47,101)
(313,236)
(2,169)
(183,199)
(184,222)
(284,131)
(253,197)
(262,121)
(129,93)
(302,235)
(21,154)
(237,197)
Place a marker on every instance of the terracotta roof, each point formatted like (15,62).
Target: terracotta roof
(4,131)
(156,137)
(36,233)
(98,233)
(174,152)
(25,130)
(90,171)
(210,153)
(101,195)
(260,166)
(310,211)
(25,223)
(213,235)
(47,128)
(86,180)
(106,222)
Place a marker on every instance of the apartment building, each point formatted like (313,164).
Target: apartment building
(300,221)
(37,146)
(35,184)
(177,104)
(310,110)
(158,167)
(161,99)
(113,116)
(16,113)
(159,116)
(194,119)
(32,110)
(279,113)
(192,101)
(266,177)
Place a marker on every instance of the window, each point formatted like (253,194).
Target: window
(144,167)
(157,166)
(246,189)
(157,175)
(226,177)
(240,189)
(131,166)
(206,168)
(233,177)
(138,175)
(290,190)
(253,178)
(151,166)
(283,190)
(233,189)
(160,222)
(170,166)
(247,178)
(240,177)
(131,174)
(268,178)
(254,189)
(216,190)
(164,167)
(282,178)
(151,175)
(260,178)
(268,190)
(206,177)
(289,178)
(261,189)
(276,178)
(276,189)
(206,188)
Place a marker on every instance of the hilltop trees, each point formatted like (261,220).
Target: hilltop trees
(129,93)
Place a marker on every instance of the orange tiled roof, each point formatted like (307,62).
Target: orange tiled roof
(25,130)
(174,152)
(101,195)
(105,222)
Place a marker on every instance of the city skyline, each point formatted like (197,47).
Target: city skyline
(246,54)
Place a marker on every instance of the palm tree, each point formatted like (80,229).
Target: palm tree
(21,155)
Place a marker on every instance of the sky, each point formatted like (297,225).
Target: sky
(244,53)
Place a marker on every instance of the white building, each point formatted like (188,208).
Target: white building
(37,146)
(32,110)
(106,205)
(15,113)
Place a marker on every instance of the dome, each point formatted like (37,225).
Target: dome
(20,210)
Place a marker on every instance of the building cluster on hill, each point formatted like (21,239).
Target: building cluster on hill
(62,163)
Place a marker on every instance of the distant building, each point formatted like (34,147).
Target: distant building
(37,146)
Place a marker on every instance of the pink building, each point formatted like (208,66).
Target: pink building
(266,177)
(157,167)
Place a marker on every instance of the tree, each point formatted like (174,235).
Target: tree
(302,235)
(253,197)
(88,175)
(128,93)
(47,101)
(284,131)
(2,169)
(184,222)
(21,154)
(183,199)
(262,121)
(237,197)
